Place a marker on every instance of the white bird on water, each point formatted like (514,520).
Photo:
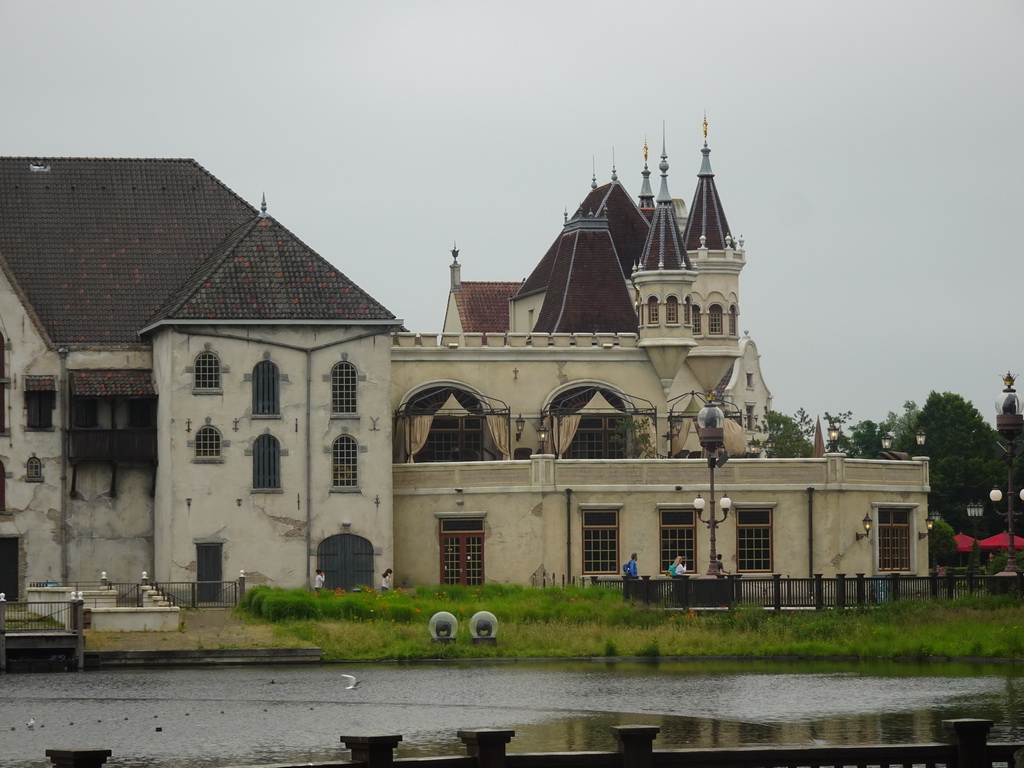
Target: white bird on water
(31,723)
(352,682)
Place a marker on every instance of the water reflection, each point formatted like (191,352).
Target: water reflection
(176,718)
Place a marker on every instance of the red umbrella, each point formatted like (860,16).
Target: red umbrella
(1001,541)
(964,543)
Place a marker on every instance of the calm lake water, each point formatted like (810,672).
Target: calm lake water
(178,718)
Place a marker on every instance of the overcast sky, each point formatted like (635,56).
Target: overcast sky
(870,153)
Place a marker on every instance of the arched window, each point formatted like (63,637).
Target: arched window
(34,470)
(454,421)
(687,305)
(652,311)
(696,319)
(208,443)
(266,462)
(344,468)
(732,320)
(672,310)
(266,389)
(590,419)
(715,320)
(206,372)
(343,388)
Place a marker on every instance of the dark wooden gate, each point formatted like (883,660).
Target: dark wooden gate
(9,567)
(347,561)
(209,571)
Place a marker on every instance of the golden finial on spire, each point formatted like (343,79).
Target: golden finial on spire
(645,150)
(705,126)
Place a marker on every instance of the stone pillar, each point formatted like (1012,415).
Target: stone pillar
(375,751)
(969,736)
(636,744)
(487,745)
(78,758)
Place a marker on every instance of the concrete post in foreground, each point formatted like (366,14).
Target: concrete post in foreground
(487,745)
(970,737)
(78,758)
(636,744)
(375,751)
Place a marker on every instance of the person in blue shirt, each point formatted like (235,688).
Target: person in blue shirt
(629,569)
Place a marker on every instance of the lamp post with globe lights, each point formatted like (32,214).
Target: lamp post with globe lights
(1009,424)
(711,433)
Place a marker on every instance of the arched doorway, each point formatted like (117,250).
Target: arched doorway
(346,560)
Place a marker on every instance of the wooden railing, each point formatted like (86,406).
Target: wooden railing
(817,592)
(968,748)
(112,444)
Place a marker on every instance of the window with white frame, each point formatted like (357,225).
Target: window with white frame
(208,443)
(206,372)
(344,464)
(343,388)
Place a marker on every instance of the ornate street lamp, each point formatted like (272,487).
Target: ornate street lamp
(833,438)
(710,431)
(920,437)
(1009,424)
(974,511)
(887,441)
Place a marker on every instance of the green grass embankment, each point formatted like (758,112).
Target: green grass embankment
(580,622)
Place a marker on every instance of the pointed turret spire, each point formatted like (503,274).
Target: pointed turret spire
(263,207)
(663,195)
(615,176)
(707,226)
(664,249)
(646,195)
(593,175)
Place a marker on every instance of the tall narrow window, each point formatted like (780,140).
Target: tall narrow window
(40,406)
(652,311)
(34,470)
(3,385)
(678,533)
(696,320)
(687,306)
(86,413)
(732,320)
(715,320)
(753,540)
(206,372)
(266,389)
(344,468)
(750,420)
(266,462)
(208,443)
(343,388)
(600,541)
(894,539)
(672,310)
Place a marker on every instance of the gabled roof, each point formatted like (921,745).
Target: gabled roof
(627,225)
(99,247)
(263,272)
(707,217)
(483,306)
(586,291)
(97,244)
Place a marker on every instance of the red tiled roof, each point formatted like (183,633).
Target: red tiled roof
(587,290)
(483,306)
(112,382)
(707,217)
(39,383)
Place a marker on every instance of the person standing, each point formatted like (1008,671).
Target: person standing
(629,570)
(385,580)
(318,580)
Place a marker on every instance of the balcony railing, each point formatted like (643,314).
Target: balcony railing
(111,444)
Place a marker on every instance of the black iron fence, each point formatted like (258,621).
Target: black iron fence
(779,593)
(37,617)
(184,594)
(200,594)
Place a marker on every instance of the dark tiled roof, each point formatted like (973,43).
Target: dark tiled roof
(110,383)
(587,290)
(39,383)
(707,217)
(97,244)
(627,225)
(264,272)
(664,248)
(483,306)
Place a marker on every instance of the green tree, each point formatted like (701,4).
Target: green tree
(634,437)
(788,434)
(941,542)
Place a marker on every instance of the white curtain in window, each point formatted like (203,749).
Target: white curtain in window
(498,426)
(419,430)
(567,426)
